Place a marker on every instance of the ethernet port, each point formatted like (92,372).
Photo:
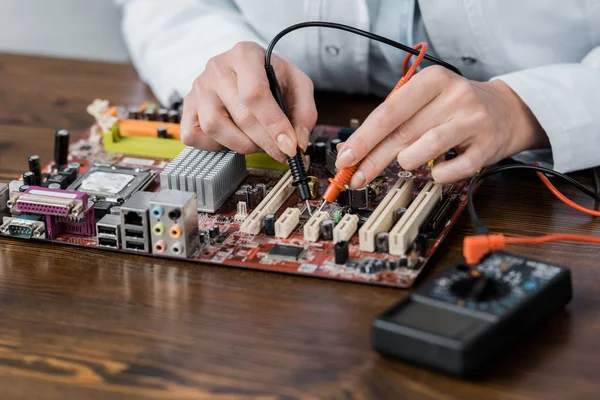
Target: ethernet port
(133,218)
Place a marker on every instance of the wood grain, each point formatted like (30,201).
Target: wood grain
(85,324)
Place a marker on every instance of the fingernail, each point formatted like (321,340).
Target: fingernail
(345,159)
(358,180)
(285,144)
(302,134)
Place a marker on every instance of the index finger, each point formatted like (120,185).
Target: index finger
(397,109)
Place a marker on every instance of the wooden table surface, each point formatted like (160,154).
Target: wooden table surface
(86,324)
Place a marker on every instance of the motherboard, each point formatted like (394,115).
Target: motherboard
(129,185)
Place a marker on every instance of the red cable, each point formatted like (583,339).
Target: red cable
(565,199)
(338,183)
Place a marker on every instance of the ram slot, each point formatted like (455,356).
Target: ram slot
(286,224)
(346,228)
(407,228)
(312,228)
(270,204)
(382,218)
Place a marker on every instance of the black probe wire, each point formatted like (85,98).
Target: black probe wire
(596,180)
(356,31)
(479,227)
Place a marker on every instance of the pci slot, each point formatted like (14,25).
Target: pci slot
(346,228)
(407,228)
(382,218)
(312,228)
(270,204)
(286,224)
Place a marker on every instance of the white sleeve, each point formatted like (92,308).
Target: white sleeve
(170,41)
(565,98)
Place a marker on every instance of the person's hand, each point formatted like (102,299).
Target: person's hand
(433,112)
(231,105)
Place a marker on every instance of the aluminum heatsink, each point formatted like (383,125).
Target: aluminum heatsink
(213,176)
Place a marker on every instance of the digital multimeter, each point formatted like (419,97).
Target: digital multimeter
(460,319)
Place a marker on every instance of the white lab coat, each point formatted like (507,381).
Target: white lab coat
(547,51)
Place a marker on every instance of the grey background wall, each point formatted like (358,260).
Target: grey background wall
(87,29)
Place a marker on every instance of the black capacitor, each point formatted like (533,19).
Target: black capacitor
(70,173)
(359,198)
(310,150)
(241,196)
(173,116)
(333,144)
(23,188)
(162,133)
(34,166)
(61,147)
(320,152)
(163,115)
(327,229)
(382,242)
(270,220)
(403,262)
(204,237)
(262,188)
(29,178)
(213,232)
(54,186)
(254,197)
(76,166)
(133,113)
(61,180)
(149,114)
(341,252)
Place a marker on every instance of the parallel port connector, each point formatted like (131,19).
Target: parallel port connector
(43,201)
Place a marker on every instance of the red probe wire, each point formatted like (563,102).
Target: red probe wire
(338,183)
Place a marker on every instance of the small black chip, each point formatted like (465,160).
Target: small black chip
(286,252)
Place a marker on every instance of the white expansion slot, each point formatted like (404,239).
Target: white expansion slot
(407,228)
(270,204)
(312,228)
(288,221)
(382,218)
(346,228)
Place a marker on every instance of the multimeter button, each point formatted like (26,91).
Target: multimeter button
(529,285)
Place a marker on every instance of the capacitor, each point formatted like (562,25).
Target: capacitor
(133,113)
(163,115)
(254,197)
(241,196)
(23,188)
(149,114)
(270,224)
(213,232)
(341,252)
(320,152)
(61,147)
(398,213)
(333,144)
(337,216)
(262,188)
(382,242)
(245,187)
(115,210)
(327,229)
(173,116)
(310,150)
(54,186)
(359,198)
(313,187)
(29,178)
(162,133)
(61,180)
(35,168)
(204,237)
(403,262)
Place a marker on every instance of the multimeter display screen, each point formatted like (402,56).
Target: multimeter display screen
(435,320)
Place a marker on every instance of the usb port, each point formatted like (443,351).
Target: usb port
(107,230)
(135,246)
(134,234)
(104,242)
